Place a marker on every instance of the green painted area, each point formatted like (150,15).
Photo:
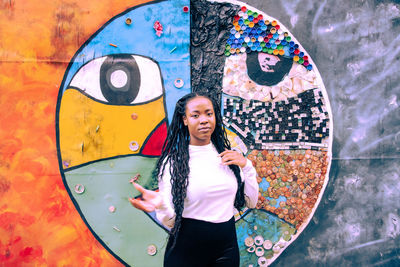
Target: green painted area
(127,231)
(261,223)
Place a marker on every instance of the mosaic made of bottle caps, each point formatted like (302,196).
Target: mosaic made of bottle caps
(277,111)
(251,32)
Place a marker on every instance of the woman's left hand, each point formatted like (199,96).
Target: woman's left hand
(229,157)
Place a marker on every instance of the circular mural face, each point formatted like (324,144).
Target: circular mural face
(118,95)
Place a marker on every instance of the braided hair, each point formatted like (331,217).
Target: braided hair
(175,151)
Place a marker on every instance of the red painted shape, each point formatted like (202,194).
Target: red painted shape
(154,144)
(26,251)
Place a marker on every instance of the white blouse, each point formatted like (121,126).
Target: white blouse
(211,190)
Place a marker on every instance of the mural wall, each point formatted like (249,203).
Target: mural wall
(308,91)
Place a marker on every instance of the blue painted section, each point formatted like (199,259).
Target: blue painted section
(278,200)
(264,184)
(264,187)
(170,50)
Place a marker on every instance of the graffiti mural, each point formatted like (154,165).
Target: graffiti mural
(113,114)
(112,120)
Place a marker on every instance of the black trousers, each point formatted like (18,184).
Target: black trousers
(204,244)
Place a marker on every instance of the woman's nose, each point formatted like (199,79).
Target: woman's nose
(203,119)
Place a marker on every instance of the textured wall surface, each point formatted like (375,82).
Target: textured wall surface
(355,45)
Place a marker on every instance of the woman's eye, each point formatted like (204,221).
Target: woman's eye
(120,79)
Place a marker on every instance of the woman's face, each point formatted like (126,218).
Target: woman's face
(200,119)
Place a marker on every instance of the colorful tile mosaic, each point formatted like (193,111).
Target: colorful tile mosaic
(277,111)
(237,82)
(298,122)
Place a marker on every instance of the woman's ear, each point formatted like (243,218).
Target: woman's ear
(185,122)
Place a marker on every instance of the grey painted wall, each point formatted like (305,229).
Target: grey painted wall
(356,47)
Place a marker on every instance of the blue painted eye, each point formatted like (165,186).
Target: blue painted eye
(120,79)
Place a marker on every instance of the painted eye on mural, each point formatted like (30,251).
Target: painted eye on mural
(120,79)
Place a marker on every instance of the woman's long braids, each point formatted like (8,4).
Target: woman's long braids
(175,152)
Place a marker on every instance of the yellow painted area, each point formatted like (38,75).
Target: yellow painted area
(231,137)
(90,130)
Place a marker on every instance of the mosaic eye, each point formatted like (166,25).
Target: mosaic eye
(266,69)
(120,79)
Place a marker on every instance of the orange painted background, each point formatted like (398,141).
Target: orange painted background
(39,225)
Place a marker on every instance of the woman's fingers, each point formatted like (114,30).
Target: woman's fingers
(142,205)
(225,153)
(147,194)
(151,199)
(139,188)
(229,157)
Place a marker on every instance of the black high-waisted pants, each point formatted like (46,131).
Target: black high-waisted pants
(204,244)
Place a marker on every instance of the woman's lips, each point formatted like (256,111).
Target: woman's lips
(205,129)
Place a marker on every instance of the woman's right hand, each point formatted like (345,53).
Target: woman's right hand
(150,199)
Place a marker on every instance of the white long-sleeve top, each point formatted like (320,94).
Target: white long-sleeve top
(211,190)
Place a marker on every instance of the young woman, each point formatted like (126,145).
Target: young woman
(200,182)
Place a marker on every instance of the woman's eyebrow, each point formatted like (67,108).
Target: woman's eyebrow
(197,111)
